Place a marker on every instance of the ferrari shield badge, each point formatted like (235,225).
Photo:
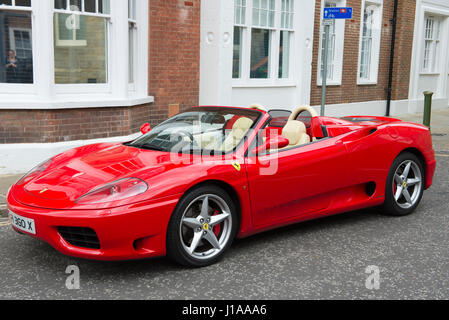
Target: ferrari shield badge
(237,166)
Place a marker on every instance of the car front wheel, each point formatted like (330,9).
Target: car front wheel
(202,227)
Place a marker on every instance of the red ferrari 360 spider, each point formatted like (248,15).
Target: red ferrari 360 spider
(191,185)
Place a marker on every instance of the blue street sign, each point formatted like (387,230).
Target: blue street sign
(337,13)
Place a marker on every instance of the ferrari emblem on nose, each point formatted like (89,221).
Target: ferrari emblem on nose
(237,166)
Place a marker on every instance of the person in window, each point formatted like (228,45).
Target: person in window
(18,70)
(12,71)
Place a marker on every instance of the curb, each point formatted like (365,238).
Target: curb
(3,211)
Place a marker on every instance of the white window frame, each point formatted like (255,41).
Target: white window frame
(77,88)
(435,44)
(16,88)
(289,28)
(334,78)
(273,80)
(43,93)
(132,20)
(377,5)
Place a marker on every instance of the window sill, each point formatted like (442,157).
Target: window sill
(263,84)
(366,83)
(429,74)
(329,84)
(71,102)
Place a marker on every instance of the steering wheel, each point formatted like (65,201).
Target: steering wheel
(300,109)
(257,106)
(188,135)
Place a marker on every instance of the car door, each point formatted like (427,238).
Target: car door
(295,182)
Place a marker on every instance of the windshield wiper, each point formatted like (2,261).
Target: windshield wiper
(149,146)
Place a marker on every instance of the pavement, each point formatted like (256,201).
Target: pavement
(439,127)
(322,259)
(5,182)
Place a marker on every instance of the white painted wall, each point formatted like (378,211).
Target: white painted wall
(22,157)
(436,82)
(217,22)
(272,98)
(216,84)
(368,108)
(447,78)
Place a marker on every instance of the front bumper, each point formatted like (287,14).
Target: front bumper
(129,232)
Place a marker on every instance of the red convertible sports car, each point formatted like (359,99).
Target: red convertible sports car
(191,185)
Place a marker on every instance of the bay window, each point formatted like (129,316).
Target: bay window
(81,41)
(263,36)
(73,53)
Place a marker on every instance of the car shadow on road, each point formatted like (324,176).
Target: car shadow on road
(44,254)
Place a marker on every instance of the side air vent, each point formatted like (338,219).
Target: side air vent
(80,237)
(370,189)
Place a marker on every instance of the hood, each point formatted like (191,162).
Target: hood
(79,171)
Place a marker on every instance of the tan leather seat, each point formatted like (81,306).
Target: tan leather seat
(296,133)
(238,132)
(206,140)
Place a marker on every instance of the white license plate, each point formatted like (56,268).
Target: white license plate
(21,223)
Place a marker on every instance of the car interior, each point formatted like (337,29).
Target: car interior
(301,126)
(296,126)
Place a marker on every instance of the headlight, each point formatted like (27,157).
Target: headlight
(117,190)
(34,173)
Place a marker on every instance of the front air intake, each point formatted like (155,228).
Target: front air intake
(80,237)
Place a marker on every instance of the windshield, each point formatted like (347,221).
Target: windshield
(213,129)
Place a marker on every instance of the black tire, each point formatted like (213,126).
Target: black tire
(393,207)
(175,243)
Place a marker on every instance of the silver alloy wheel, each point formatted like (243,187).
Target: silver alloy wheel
(407,184)
(206,226)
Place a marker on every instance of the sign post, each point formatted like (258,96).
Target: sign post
(329,15)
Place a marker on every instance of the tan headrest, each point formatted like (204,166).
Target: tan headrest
(300,109)
(257,106)
(241,127)
(293,131)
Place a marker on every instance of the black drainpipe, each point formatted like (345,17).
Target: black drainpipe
(393,40)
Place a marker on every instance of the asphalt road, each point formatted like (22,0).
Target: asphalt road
(323,259)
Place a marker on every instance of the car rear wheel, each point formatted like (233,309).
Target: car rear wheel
(405,185)
(202,227)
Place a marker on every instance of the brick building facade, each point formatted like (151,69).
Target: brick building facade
(350,91)
(97,73)
(174,40)
(174,57)
(49,126)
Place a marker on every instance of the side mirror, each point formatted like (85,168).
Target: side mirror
(277,142)
(145,128)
